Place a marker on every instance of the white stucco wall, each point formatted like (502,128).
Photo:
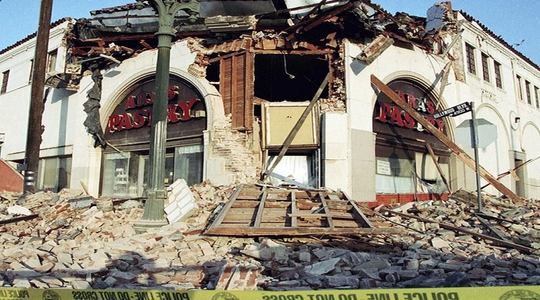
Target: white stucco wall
(497,105)
(14,104)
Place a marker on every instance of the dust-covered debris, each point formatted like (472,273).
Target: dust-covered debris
(96,247)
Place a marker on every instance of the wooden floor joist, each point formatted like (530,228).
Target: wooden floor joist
(256,210)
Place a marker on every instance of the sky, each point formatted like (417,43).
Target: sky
(514,20)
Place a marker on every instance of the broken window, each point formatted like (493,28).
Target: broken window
(528,92)
(498,77)
(286,77)
(5,78)
(54,173)
(471,63)
(485,67)
(51,60)
(298,167)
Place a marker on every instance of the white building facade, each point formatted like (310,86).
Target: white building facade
(371,149)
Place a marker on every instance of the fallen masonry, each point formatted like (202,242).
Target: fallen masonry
(62,240)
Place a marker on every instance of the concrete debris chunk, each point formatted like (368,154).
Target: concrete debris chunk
(18,210)
(181,205)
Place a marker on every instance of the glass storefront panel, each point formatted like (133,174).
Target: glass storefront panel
(54,173)
(403,176)
(116,181)
(188,164)
(127,174)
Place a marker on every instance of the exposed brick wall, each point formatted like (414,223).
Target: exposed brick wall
(235,148)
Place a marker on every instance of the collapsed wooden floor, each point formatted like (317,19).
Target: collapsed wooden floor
(260,210)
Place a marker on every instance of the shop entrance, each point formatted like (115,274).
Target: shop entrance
(126,163)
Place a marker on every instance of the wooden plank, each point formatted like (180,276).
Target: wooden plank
(513,171)
(310,216)
(225,209)
(462,155)
(493,229)
(469,232)
(333,215)
(327,211)
(310,231)
(253,204)
(294,220)
(260,209)
(18,219)
(361,218)
(439,169)
(334,197)
(239,216)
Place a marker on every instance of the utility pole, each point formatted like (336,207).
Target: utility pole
(154,215)
(33,137)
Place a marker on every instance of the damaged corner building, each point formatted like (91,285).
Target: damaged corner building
(326,118)
(275,91)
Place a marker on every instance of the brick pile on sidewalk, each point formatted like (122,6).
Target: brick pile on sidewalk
(63,240)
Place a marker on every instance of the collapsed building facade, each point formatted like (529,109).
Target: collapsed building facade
(245,72)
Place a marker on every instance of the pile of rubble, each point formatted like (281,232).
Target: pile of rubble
(69,240)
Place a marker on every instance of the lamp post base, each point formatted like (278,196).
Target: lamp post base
(153,216)
(142,226)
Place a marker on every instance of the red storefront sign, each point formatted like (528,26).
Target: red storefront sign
(392,114)
(138,110)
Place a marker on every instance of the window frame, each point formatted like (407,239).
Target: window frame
(470,59)
(5,80)
(528,92)
(485,67)
(498,74)
(519,87)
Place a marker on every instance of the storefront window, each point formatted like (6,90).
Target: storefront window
(116,176)
(127,167)
(404,164)
(188,162)
(54,173)
(126,174)
(395,175)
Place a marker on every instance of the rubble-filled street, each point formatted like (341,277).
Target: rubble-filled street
(70,240)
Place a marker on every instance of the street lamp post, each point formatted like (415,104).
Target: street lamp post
(166,10)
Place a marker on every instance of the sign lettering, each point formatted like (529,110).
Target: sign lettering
(138,110)
(454,111)
(393,114)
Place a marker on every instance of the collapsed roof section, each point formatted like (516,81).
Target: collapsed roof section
(124,31)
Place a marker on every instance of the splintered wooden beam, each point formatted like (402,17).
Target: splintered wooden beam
(223,213)
(294,220)
(430,150)
(260,209)
(444,139)
(327,211)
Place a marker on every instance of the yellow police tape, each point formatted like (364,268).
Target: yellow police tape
(473,293)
